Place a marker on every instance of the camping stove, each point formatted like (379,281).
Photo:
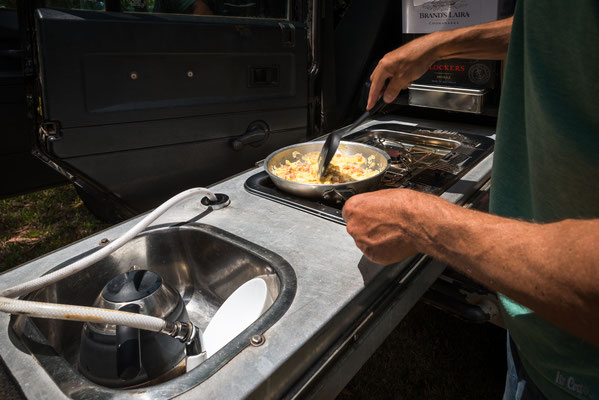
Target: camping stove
(427,160)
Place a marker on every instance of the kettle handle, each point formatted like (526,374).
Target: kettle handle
(128,347)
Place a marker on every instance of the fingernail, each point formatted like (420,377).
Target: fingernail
(388,98)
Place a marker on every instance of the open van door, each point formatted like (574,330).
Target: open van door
(134,107)
(21,171)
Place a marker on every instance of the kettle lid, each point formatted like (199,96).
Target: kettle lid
(131,286)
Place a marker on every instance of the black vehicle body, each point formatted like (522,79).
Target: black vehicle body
(132,108)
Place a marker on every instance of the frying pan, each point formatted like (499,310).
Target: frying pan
(337,192)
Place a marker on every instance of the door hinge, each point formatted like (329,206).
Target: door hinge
(287,34)
(49,131)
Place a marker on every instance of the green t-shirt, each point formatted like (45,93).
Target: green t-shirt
(546,165)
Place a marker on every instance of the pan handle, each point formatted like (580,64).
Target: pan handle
(339,196)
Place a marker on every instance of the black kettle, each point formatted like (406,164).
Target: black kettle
(118,356)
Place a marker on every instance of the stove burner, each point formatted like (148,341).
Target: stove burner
(429,161)
(408,159)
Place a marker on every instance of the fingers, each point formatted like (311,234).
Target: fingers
(355,203)
(366,250)
(378,78)
(393,89)
(370,221)
(347,215)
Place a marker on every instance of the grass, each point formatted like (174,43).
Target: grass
(34,224)
(430,355)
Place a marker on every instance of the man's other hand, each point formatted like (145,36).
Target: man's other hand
(381,223)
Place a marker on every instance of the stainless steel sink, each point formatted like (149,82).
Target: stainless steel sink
(204,263)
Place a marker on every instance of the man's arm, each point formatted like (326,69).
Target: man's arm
(406,64)
(551,268)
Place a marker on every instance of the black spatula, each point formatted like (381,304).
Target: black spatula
(332,143)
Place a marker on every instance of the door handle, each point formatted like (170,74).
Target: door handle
(256,135)
(263,76)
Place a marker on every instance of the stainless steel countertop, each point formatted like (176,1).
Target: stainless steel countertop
(322,254)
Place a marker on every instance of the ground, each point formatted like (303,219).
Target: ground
(35,224)
(430,355)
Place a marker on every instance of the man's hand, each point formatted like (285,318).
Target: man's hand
(402,66)
(550,268)
(406,64)
(381,223)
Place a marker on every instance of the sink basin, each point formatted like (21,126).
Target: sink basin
(204,263)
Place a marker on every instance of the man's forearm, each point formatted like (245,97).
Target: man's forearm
(486,41)
(552,268)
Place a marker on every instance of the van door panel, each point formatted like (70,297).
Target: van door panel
(87,63)
(81,141)
(147,104)
(185,80)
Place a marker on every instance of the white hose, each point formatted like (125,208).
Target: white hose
(80,313)
(38,283)
(91,314)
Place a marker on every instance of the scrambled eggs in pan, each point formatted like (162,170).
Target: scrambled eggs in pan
(342,169)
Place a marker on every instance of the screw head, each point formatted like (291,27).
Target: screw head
(257,340)
(133,75)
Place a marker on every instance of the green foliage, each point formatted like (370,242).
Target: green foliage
(9,4)
(76,4)
(126,5)
(137,5)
